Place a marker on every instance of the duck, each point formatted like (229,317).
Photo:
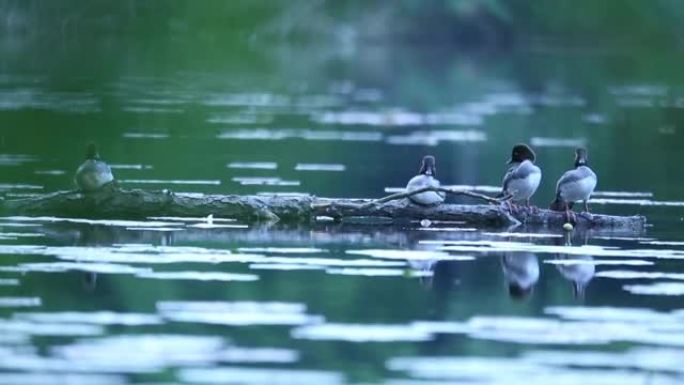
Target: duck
(93,173)
(523,177)
(427,177)
(575,185)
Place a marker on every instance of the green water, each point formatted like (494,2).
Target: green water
(176,111)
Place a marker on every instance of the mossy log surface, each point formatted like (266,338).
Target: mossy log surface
(118,203)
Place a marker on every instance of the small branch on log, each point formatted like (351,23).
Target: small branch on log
(407,194)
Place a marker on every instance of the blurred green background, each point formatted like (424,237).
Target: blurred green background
(608,73)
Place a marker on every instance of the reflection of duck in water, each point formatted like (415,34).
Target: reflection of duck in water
(522,273)
(93,173)
(580,274)
(427,177)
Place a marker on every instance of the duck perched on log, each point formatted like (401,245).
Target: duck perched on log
(523,177)
(427,177)
(93,173)
(575,185)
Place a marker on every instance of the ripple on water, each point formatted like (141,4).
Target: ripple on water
(657,288)
(237,313)
(558,142)
(316,135)
(320,167)
(434,138)
(95,267)
(416,255)
(207,182)
(131,166)
(504,371)
(254,376)
(16,159)
(635,202)
(20,302)
(51,378)
(264,181)
(19,186)
(24,327)
(361,333)
(629,274)
(113,354)
(144,135)
(103,222)
(253,165)
(198,276)
(491,246)
(97,318)
(374,272)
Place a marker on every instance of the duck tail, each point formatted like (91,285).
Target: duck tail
(557,204)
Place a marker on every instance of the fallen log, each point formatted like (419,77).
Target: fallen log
(113,202)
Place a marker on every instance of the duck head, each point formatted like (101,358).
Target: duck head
(91,151)
(427,166)
(581,157)
(518,292)
(520,153)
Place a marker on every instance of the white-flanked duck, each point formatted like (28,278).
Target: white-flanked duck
(93,173)
(427,177)
(575,185)
(523,177)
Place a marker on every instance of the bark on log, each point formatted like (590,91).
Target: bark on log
(116,203)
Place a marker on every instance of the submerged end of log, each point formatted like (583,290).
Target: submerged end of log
(113,202)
